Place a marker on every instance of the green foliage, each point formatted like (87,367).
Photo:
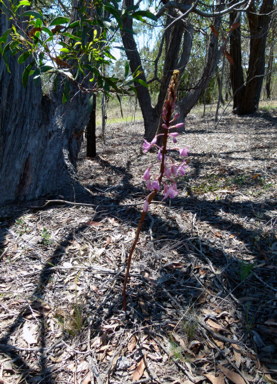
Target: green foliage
(77,51)
(45,237)
(189,328)
(245,270)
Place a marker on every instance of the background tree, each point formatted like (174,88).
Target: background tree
(177,41)
(247,94)
(270,55)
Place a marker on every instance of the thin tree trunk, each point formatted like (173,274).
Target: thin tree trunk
(204,106)
(270,61)
(104,116)
(91,130)
(219,82)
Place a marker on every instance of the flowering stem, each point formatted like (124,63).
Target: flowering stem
(168,109)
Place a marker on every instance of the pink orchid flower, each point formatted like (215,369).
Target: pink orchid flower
(146,145)
(170,191)
(183,151)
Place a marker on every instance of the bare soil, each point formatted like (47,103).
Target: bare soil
(202,294)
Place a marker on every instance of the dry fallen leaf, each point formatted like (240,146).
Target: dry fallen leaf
(28,333)
(108,241)
(143,307)
(270,322)
(179,340)
(237,355)
(219,343)
(233,376)
(88,379)
(218,234)
(82,366)
(214,325)
(215,380)
(94,223)
(132,344)
(140,369)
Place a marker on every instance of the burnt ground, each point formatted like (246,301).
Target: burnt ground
(202,294)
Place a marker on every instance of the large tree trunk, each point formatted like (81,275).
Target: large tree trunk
(39,136)
(236,70)
(248,95)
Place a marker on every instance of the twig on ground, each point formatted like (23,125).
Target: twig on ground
(217,336)
(263,282)
(61,202)
(221,352)
(213,271)
(183,369)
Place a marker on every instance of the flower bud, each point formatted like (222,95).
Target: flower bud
(146,206)
(146,175)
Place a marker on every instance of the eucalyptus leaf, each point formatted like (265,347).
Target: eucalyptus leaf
(59,20)
(25,55)
(35,14)
(26,74)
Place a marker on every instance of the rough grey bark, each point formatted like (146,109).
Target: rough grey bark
(39,136)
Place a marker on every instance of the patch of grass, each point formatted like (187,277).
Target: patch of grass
(73,322)
(189,328)
(20,222)
(245,270)
(20,225)
(268,106)
(213,183)
(248,320)
(175,350)
(45,237)
(113,110)
(122,120)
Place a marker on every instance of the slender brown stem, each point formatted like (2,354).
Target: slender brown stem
(169,108)
(133,248)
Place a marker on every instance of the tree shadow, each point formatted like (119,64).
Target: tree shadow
(149,299)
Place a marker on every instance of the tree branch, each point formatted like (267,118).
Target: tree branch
(187,9)
(182,16)
(64,8)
